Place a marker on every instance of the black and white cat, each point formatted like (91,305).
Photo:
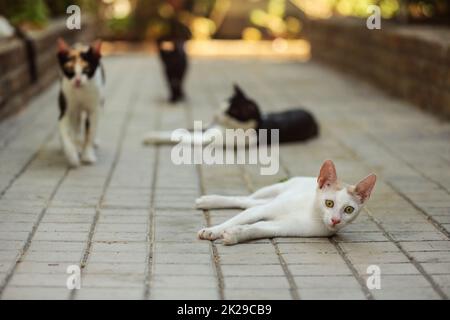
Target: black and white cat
(80,100)
(174,58)
(171,48)
(241,112)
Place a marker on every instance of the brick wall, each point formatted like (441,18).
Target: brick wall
(16,85)
(411,62)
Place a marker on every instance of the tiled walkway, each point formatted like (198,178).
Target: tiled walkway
(129,221)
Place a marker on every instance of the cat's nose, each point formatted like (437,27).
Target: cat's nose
(335,221)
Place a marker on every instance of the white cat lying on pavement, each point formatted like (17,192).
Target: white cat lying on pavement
(299,207)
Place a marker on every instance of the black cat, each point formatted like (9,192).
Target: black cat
(171,47)
(294,125)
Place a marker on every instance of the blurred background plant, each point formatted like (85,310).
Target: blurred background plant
(247,19)
(35,14)
(430,11)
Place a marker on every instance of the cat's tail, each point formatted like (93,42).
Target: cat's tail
(167,137)
(158,137)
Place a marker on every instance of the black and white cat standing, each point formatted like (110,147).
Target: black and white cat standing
(171,48)
(80,100)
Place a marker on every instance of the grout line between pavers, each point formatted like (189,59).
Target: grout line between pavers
(151,228)
(30,237)
(214,251)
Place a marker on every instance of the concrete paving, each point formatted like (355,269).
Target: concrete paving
(129,221)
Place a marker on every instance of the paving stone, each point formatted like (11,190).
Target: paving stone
(39,280)
(184,294)
(54,246)
(185,269)
(109,294)
(326,281)
(319,269)
(410,293)
(35,293)
(185,258)
(253,282)
(312,258)
(112,256)
(184,281)
(412,246)
(61,236)
(35,267)
(119,236)
(331,294)
(115,268)
(257,294)
(436,268)
(114,280)
(252,270)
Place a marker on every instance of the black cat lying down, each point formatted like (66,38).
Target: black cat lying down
(240,112)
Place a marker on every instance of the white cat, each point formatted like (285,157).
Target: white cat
(299,207)
(80,99)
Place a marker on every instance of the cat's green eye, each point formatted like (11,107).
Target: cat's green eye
(349,209)
(329,203)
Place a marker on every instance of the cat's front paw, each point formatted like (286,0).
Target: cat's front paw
(230,237)
(209,234)
(73,159)
(89,156)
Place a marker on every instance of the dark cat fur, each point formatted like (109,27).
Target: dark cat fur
(294,125)
(173,55)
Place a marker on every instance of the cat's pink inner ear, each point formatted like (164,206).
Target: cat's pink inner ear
(364,188)
(63,47)
(327,175)
(97,47)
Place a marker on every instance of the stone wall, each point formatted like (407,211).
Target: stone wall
(17,85)
(411,62)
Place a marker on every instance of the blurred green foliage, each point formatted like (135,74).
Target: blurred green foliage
(32,12)
(36,13)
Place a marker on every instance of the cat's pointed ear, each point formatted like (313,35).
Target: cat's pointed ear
(238,91)
(327,175)
(63,47)
(364,188)
(97,48)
